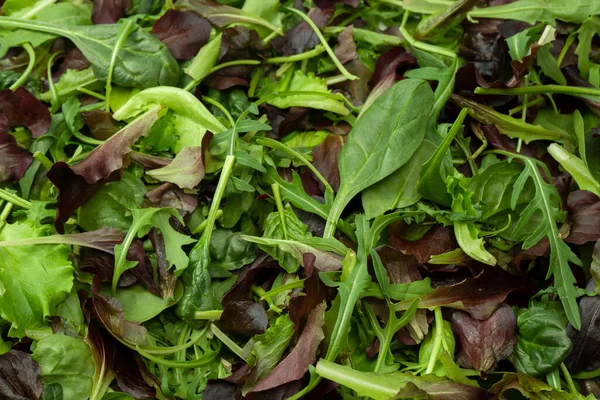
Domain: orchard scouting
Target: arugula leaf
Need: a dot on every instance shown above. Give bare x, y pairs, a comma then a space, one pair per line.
546, 203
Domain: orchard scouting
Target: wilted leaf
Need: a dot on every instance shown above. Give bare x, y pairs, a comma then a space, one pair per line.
346, 49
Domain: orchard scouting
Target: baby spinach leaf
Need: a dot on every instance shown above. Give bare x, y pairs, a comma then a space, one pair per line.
383, 139
542, 342
67, 361
398, 190
143, 61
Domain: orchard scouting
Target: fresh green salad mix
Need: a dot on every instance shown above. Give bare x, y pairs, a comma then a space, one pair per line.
286, 199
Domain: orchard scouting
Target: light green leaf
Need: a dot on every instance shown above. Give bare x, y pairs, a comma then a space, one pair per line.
35, 279
139, 305
398, 190
67, 361
534, 10
576, 167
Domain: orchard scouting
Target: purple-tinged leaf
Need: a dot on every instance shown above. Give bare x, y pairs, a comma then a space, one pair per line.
14, 161
182, 32
242, 288
584, 217
109, 11
325, 159
479, 296
245, 318
186, 170
168, 195
100, 123
586, 341
19, 376
346, 49
21, 108
110, 156
393, 63
437, 241
302, 37
295, 365
481, 344
220, 390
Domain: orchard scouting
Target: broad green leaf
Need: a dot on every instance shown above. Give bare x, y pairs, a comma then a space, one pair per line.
34, 279
143, 61
139, 305
67, 361
542, 342
71, 81
383, 139
398, 190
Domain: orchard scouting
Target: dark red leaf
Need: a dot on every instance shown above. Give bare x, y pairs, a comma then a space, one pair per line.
74, 59
103, 264
479, 296
394, 62
295, 365
21, 108
584, 217
586, 341
245, 318
346, 49
483, 343
74, 191
242, 289
437, 241
182, 32
78, 183
282, 392
14, 161
220, 390
19, 376
100, 123
300, 307
484, 46
302, 37
109, 11
401, 268
502, 142
325, 159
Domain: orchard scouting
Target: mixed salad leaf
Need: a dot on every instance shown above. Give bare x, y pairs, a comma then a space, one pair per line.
319, 199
